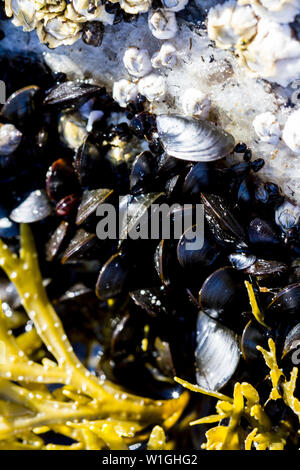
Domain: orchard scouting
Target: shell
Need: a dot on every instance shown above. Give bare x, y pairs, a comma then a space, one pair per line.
282, 11
196, 141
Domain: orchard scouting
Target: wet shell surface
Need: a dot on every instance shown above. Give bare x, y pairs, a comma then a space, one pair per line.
197, 141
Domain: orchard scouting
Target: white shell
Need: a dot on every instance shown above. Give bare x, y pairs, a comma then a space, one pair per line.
72, 130
137, 61
195, 103
282, 11
165, 57
229, 24
124, 91
134, 7
34, 208
174, 5
153, 87
217, 353
23, 12
162, 24
267, 128
196, 141
273, 54
291, 132
57, 31
287, 216
10, 138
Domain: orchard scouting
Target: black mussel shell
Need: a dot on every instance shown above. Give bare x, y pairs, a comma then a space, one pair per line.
154, 300
142, 173
204, 177
83, 246
91, 199
71, 93
166, 264
222, 223
192, 257
285, 306
217, 353
242, 261
134, 214
55, 242
254, 335
35, 207
263, 235
223, 296
292, 344
114, 277
265, 268
20, 107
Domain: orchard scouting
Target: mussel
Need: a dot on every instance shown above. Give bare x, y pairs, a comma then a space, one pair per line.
217, 353
198, 141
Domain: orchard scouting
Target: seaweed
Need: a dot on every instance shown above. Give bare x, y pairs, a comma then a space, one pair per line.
88, 410
261, 433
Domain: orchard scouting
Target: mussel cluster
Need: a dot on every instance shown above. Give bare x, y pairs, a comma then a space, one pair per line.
141, 311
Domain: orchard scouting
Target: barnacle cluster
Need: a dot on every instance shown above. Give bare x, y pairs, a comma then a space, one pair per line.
93, 413
260, 35
58, 22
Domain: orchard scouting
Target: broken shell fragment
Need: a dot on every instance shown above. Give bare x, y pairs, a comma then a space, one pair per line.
197, 141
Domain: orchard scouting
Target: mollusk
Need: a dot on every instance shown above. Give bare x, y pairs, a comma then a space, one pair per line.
193, 140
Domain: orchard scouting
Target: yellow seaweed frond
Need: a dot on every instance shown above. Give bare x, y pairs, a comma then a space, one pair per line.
246, 404
95, 414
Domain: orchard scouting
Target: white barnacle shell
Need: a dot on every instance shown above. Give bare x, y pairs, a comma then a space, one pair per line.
273, 54
195, 103
291, 132
174, 5
162, 24
165, 57
267, 128
153, 87
196, 141
137, 61
229, 24
282, 11
10, 138
134, 7
57, 30
23, 12
124, 91
81, 11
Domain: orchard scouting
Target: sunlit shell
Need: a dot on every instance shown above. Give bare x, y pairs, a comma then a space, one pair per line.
282, 11
72, 130
23, 12
34, 208
56, 30
230, 24
188, 139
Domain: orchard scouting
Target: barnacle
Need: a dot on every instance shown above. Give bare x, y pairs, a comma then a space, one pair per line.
261, 434
92, 412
